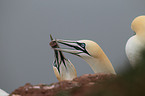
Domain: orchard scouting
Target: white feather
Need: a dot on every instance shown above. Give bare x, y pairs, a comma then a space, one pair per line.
3, 93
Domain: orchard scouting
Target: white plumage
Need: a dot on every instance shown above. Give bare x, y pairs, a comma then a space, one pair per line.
3, 93
136, 43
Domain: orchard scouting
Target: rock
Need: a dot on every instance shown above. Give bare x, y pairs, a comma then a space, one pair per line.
50, 90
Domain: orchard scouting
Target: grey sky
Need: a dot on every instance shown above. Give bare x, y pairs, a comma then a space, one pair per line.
25, 26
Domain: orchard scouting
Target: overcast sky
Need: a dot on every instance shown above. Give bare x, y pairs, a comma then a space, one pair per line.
25, 26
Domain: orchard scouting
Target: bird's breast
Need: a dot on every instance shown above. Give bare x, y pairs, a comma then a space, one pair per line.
133, 49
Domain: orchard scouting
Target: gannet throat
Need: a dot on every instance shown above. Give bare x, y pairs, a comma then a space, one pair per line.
91, 52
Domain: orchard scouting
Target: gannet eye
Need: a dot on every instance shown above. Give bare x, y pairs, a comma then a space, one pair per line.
82, 45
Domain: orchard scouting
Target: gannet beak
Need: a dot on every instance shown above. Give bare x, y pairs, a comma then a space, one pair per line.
75, 47
59, 57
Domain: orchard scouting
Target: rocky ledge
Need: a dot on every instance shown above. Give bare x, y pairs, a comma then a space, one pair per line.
76, 87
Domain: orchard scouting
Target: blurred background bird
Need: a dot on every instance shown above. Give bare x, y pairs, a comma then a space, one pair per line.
63, 68
91, 52
3, 93
136, 43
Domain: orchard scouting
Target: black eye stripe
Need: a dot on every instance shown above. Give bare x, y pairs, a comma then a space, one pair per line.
76, 47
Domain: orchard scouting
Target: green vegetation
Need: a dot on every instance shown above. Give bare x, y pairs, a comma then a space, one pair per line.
63, 93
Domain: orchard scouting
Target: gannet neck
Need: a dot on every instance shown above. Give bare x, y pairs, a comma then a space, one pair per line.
67, 72
101, 64
98, 60
141, 37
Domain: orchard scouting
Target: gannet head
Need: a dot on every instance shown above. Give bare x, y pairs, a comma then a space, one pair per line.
81, 48
138, 25
91, 52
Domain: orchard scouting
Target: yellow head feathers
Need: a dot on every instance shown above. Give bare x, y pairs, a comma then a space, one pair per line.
92, 47
138, 25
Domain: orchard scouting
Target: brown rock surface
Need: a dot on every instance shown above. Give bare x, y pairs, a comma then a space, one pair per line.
79, 84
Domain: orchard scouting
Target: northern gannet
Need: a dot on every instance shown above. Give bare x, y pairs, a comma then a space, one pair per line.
3, 93
91, 52
63, 68
136, 43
